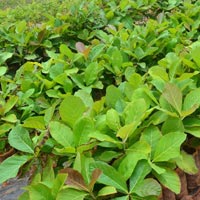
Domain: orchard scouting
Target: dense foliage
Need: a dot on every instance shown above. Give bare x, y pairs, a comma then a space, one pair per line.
99, 99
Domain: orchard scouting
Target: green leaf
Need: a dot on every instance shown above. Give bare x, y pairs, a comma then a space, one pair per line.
172, 124
187, 163
4, 56
125, 131
134, 111
4, 128
10, 103
66, 51
10, 118
148, 187
11, 165
157, 72
20, 27
61, 133
107, 190
141, 170
71, 194
168, 146
82, 129
192, 99
3, 70
113, 95
195, 52
96, 51
151, 135
170, 180
71, 109
116, 60
19, 139
113, 120
39, 191
173, 95
36, 122
110, 176
137, 152
91, 73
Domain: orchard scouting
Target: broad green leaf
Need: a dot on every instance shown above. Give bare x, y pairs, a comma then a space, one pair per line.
187, 163
19, 139
122, 198
157, 72
85, 97
116, 60
10, 118
61, 133
168, 146
151, 135
172, 124
110, 176
11, 165
66, 51
148, 187
156, 168
195, 53
113, 120
96, 51
4, 56
141, 170
192, 99
135, 111
58, 183
126, 131
20, 27
39, 191
137, 152
82, 129
173, 95
113, 95
71, 109
170, 180
91, 73
195, 131
10, 103
71, 194
36, 122
3, 70
107, 190
4, 128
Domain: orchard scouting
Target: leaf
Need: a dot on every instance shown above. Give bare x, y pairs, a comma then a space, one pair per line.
39, 191
110, 176
141, 170
10, 118
138, 152
134, 111
170, 179
151, 135
71, 194
4, 128
113, 95
82, 129
172, 124
61, 133
10, 167
126, 131
116, 60
192, 99
96, 51
71, 109
148, 187
4, 56
157, 72
10, 103
36, 122
95, 175
173, 96
107, 190
91, 73
66, 51
168, 146
3, 70
187, 163
195, 52
113, 120
19, 139
74, 179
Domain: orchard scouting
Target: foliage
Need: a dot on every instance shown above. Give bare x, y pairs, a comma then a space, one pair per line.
102, 98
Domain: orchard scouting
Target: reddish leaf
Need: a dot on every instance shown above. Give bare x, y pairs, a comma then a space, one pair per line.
95, 175
74, 178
